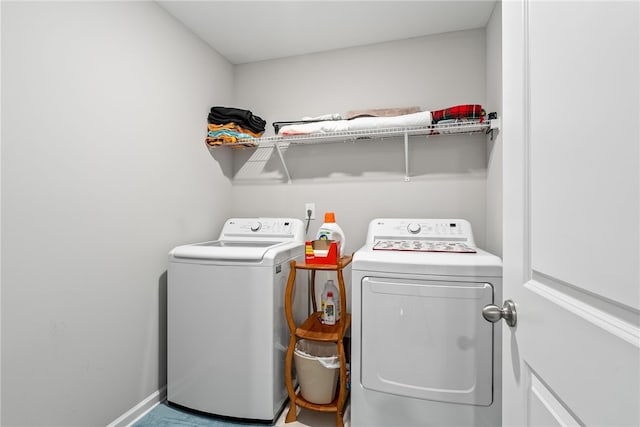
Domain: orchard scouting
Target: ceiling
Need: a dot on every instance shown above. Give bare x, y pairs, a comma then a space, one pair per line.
250, 31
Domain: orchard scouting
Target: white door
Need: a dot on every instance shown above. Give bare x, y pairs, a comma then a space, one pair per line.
571, 212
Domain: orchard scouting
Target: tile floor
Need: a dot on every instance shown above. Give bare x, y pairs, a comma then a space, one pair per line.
165, 416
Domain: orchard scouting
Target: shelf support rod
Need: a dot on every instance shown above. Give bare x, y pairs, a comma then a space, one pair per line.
406, 157
284, 165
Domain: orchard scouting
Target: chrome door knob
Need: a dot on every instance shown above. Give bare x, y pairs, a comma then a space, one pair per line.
492, 313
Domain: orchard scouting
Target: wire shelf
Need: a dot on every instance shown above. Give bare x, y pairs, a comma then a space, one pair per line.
463, 127
280, 142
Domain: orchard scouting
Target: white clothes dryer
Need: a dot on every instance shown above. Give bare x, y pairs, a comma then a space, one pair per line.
227, 334
422, 353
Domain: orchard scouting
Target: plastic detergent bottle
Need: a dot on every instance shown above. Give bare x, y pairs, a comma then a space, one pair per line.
332, 231
330, 288
329, 313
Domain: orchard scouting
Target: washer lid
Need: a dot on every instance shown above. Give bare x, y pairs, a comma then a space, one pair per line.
229, 250
480, 263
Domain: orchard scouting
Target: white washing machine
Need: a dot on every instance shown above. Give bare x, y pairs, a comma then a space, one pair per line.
227, 334
422, 353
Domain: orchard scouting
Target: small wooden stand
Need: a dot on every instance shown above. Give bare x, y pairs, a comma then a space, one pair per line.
313, 329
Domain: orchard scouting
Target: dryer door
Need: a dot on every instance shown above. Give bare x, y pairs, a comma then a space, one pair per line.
427, 339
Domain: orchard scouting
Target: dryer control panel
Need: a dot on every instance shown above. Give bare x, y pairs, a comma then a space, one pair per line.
423, 229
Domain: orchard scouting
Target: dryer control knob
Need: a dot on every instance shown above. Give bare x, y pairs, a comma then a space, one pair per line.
256, 226
413, 228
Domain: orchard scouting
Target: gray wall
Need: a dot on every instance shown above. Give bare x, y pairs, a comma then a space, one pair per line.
364, 180
104, 170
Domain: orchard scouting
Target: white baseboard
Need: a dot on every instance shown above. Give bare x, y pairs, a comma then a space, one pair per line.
138, 411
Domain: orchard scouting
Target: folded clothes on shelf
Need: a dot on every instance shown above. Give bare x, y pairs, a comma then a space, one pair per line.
422, 118
306, 120
233, 126
243, 118
382, 112
381, 118
229, 139
330, 116
355, 114
466, 111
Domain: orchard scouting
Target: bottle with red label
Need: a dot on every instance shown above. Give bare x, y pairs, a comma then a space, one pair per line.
330, 288
329, 313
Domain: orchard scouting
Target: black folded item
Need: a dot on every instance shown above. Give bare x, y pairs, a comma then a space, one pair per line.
244, 118
278, 125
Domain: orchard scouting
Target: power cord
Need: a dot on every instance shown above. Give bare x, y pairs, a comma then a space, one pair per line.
306, 231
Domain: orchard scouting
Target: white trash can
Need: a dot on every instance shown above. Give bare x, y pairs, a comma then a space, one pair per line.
318, 368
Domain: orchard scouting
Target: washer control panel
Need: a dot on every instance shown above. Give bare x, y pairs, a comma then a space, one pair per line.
447, 230
260, 228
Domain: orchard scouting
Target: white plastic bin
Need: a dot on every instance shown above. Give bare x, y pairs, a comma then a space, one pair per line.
318, 368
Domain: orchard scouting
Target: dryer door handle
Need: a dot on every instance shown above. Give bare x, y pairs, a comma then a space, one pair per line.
492, 313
